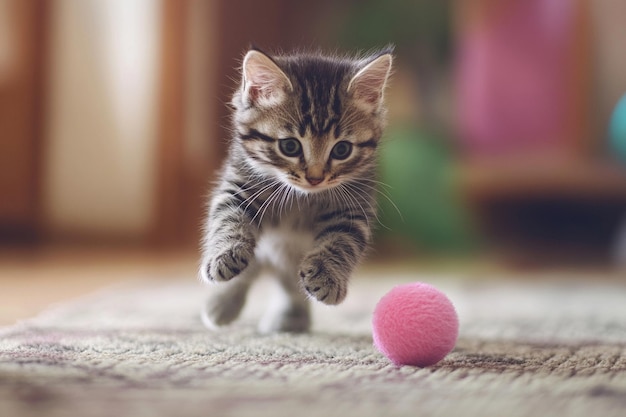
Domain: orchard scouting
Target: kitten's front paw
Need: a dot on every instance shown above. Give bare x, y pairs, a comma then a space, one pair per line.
323, 279
227, 264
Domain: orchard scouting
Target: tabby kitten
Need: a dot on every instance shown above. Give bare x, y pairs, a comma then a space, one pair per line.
297, 191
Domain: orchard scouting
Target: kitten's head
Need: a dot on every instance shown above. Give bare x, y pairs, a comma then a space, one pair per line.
312, 121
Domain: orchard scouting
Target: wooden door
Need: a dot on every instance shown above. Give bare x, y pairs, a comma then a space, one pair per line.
22, 56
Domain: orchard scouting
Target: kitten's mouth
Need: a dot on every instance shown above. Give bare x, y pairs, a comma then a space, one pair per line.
313, 188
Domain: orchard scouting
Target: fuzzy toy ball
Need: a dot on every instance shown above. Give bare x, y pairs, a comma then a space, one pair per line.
415, 324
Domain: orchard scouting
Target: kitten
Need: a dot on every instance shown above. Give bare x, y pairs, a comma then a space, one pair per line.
297, 191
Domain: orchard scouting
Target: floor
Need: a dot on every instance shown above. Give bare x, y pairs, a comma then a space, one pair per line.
529, 346
32, 280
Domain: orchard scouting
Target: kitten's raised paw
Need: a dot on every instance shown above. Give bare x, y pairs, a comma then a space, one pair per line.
323, 281
228, 264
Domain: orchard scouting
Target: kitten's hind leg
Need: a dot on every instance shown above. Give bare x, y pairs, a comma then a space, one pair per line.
289, 311
227, 299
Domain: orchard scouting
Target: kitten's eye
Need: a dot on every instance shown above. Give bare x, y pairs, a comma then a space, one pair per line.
342, 150
290, 147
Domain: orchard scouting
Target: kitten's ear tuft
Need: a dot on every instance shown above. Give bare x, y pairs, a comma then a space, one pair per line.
368, 85
264, 83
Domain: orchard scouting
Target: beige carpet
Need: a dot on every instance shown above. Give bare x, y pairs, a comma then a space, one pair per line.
526, 349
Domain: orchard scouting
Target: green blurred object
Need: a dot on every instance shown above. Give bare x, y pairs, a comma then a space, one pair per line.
413, 26
617, 129
417, 167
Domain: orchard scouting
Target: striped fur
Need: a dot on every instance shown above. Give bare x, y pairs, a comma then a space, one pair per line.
297, 191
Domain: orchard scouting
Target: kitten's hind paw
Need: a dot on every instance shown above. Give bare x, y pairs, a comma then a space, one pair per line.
225, 304
295, 319
323, 280
228, 264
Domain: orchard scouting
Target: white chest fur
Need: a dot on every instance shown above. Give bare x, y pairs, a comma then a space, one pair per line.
282, 247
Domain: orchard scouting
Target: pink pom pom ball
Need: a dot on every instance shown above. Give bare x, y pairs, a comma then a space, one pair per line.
415, 324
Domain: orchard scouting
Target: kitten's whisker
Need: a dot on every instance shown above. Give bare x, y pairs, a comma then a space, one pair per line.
293, 196
376, 182
333, 195
283, 200
249, 185
256, 195
356, 200
277, 199
267, 203
354, 187
344, 194
382, 194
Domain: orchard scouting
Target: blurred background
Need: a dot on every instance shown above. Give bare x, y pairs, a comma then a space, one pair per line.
506, 141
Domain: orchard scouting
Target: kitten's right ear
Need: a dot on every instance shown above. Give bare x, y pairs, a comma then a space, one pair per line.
368, 85
264, 83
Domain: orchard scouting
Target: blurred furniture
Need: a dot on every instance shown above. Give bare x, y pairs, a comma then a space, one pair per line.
67, 174
22, 79
533, 170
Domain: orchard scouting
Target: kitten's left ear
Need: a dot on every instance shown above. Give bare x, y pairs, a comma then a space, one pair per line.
368, 85
264, 83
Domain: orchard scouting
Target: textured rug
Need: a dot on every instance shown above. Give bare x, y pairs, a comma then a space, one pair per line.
526, 349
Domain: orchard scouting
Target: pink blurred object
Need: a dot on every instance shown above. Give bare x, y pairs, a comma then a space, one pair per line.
514, 76
415, 324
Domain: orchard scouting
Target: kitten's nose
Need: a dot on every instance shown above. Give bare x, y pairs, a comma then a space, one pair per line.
314, 180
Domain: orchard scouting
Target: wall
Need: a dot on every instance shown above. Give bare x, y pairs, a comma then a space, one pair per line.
100, 159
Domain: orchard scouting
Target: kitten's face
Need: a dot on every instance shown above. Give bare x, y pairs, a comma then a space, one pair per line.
312, 122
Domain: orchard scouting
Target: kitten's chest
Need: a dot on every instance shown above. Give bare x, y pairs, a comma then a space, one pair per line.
282, 244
